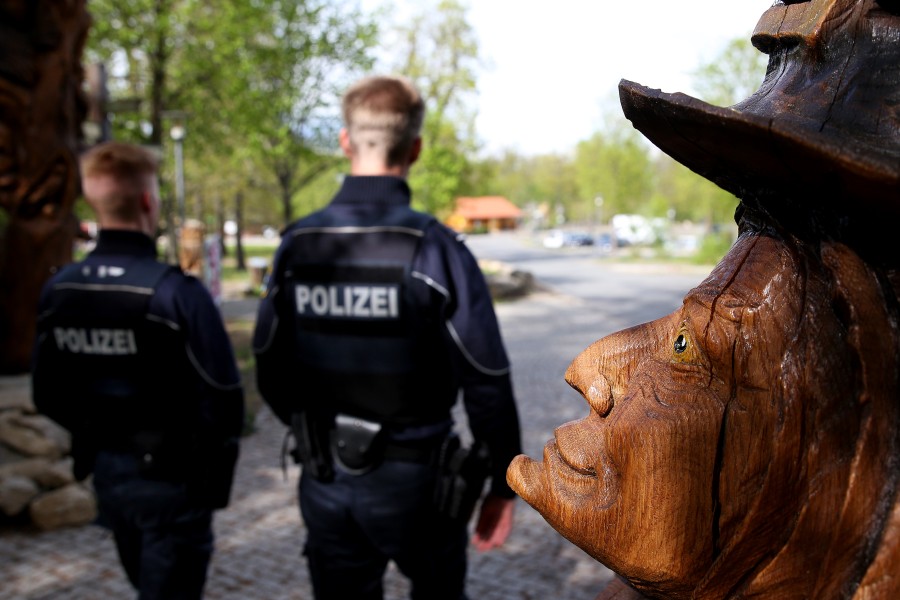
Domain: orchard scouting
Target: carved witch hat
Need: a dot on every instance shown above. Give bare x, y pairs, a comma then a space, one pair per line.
825, 124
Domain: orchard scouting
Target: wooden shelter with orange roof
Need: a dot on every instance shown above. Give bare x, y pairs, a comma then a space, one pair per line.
491, 213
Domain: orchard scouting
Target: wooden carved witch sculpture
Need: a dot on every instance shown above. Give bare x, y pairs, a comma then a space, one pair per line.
42, 107
748, 444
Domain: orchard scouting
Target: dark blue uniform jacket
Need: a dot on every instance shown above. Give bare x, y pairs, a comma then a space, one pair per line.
133, 356
457, 338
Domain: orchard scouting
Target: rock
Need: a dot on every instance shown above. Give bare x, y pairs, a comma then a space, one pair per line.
67, 506
16, 492
33, 435
8, 455
45, 472
15, 392
510, 284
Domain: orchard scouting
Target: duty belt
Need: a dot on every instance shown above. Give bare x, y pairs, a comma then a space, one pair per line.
418, 451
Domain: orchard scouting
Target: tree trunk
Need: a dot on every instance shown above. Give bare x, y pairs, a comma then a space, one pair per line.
239, 234
220, 223
287, 209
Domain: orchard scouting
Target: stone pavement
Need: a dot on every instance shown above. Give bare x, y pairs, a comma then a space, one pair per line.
259, 536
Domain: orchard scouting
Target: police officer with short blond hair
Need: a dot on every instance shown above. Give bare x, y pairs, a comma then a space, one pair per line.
133, 359
376, 317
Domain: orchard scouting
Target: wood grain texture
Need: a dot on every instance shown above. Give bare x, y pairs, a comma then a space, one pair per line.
747, 445
42, 108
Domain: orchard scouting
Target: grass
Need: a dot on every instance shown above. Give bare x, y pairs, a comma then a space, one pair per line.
241, 334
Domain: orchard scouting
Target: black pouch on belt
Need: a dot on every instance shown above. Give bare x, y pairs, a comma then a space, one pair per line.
358, 445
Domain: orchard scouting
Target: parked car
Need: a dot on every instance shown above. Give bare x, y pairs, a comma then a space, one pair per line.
579, 238
554, 239
558, 239
604, 242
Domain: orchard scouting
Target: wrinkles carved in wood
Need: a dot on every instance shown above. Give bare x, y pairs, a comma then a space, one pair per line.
747, 445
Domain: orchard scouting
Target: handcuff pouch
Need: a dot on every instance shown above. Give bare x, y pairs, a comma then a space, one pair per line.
357, 444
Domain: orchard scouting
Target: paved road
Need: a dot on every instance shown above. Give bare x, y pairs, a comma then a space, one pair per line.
259, 535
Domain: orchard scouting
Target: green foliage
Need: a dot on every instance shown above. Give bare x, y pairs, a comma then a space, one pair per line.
437, 49
733, 75
295, 72
713, 248
435, 180
615, 166
691, 196
320, 190
256, 83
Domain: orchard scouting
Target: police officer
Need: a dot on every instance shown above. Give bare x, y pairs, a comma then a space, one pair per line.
133, 359
376, 316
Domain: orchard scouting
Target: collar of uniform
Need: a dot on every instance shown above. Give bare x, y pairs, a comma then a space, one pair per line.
124, 241
372, 189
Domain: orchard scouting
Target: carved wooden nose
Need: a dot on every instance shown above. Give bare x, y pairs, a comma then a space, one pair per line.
601, 373
584, 375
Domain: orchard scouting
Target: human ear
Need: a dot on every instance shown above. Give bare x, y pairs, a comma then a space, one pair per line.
344, 140
415, 151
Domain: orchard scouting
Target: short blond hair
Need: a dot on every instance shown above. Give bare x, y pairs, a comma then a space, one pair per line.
383, 114
125, 171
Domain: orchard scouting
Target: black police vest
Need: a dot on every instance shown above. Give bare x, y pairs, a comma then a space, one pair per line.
128, 372
369, 342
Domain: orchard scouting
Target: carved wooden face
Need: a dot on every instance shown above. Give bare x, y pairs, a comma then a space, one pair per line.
687, 413
746, 445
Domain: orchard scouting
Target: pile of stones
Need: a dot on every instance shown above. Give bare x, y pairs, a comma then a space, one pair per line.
36, 481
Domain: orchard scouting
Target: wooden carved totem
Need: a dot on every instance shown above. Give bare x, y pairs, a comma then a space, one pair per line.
42, 107
748, 444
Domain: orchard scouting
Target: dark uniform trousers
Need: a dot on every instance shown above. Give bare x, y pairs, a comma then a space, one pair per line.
391, 517
164, 541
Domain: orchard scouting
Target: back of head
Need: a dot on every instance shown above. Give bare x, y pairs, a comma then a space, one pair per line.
383, 116
114, 177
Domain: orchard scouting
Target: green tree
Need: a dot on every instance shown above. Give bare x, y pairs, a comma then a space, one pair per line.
615, 166
293, 74
509, 175
552, 184
256, 81
691, 196
733, 75
438, 50
139, 41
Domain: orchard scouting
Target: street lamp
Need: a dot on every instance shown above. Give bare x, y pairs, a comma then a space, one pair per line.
598, 213
177, 134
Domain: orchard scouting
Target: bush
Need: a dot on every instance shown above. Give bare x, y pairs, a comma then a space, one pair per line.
713, 248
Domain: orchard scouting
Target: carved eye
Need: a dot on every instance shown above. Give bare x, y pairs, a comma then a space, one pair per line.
684, 350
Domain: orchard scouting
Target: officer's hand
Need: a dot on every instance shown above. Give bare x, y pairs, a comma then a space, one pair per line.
494, 522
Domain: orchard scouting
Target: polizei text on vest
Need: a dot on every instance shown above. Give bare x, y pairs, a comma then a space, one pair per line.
95, 341
348, 301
